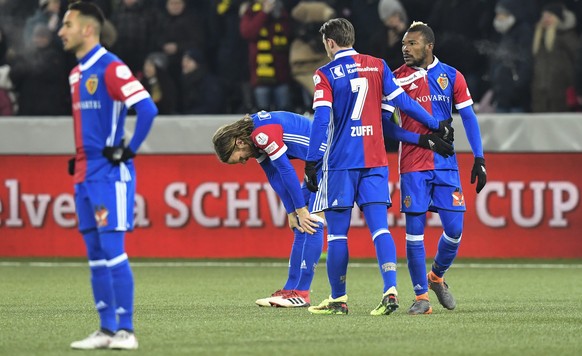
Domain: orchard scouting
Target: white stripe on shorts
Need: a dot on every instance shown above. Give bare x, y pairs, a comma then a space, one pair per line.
121, 205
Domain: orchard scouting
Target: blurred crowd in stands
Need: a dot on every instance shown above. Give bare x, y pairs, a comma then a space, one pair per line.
235, 56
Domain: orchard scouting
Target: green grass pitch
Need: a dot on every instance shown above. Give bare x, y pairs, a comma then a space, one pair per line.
201, 308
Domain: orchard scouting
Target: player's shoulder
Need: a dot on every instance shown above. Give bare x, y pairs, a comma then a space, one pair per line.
115, 68
403, 71
445, 67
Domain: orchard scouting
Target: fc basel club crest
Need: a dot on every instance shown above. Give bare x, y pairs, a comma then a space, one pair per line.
458, 198
407, 201
101, 216
91, 84
443, 81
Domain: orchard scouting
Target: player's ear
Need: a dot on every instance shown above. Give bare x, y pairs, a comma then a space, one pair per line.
239, 143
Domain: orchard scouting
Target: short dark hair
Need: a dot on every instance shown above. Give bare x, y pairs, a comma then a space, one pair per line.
89, 10
424, 30
340, 30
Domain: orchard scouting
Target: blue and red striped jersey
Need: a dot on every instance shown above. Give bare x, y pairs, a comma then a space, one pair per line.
282, 136
437, 89
353, 86
102, 88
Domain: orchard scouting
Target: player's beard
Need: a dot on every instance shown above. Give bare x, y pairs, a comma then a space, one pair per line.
418, 61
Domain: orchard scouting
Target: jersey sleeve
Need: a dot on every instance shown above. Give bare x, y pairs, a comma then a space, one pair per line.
323, 94
122, 85
269, 138
390, 87
461, 95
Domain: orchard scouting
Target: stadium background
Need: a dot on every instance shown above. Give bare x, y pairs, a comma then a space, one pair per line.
192, 206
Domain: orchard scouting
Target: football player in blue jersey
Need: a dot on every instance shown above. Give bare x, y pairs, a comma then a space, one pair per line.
347, 103
273, 139
102, 88
429, 182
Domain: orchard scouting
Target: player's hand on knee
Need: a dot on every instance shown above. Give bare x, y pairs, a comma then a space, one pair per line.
434, 143
479, 173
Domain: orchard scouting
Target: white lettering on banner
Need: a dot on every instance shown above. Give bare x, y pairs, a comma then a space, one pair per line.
64, 205
62, 208
198, 204
13, 218
526, 204
276, 208
234, 204
173, 189
561, 206
36, 215
140, 218
560, 203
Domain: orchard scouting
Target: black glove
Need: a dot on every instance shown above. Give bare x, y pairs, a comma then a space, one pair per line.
479, 172
446, 131
118, 154
311, 176
434, 143
71, 167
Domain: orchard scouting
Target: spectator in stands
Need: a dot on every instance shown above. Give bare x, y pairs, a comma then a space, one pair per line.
387, 43
231, 48
554, 49
418, 10
179, 30
307, 52
47, 14
6, 98
460, 25
201, 91
159, 84
578, 78
265, 26
136, 32
40, 78
363, 14
510, 59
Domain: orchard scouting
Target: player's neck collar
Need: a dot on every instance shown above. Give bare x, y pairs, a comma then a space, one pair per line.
90, 58
345, 53
434, 63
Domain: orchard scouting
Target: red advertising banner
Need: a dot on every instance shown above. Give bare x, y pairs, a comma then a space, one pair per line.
192, 206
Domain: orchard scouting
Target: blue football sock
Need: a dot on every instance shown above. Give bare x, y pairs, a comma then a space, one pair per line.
446, 253
375, 215
416, 258
338, 224
386, 255
337, 266
121, 275
311, 254
295, 260
103, 296
415, 252
101, 281
123, 289
449, 241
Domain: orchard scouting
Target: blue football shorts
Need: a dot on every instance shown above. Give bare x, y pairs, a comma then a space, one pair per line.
431, 190
339, 189
105, 205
